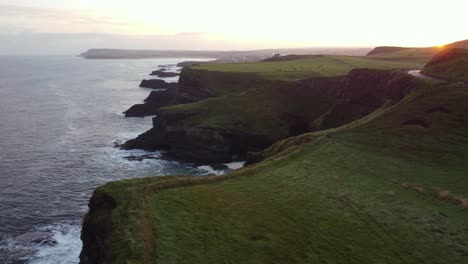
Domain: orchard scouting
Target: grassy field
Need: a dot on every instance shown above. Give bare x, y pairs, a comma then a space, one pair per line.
312, 66
386, 189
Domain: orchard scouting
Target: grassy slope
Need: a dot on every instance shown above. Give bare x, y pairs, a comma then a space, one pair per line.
449, 64
336, 199
310, 67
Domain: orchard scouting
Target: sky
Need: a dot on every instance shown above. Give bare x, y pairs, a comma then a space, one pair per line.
70, 27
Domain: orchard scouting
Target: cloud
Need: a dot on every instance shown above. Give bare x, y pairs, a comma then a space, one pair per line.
58, 20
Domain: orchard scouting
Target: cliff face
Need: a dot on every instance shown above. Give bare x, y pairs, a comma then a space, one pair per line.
154, 101
365, 90
203, 145
291, 108
97, 229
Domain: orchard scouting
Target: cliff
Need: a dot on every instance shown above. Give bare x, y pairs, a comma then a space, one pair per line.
390, 186
250, 113
154, 101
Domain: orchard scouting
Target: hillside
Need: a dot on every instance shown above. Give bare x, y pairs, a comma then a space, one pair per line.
405, 53
388, 188
449, 64
224, 56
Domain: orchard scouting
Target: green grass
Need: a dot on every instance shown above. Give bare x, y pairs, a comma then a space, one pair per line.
422, 55
266, 104
327, 197
310, 67
449, 64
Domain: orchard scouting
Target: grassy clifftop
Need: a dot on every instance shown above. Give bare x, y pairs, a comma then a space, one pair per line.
245, 112
389, 188
301, 67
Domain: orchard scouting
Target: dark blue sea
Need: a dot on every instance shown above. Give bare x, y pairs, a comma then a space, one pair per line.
59, 120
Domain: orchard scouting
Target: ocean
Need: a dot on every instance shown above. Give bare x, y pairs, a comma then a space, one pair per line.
60, 118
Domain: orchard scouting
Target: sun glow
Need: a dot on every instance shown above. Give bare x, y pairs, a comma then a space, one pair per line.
260, 23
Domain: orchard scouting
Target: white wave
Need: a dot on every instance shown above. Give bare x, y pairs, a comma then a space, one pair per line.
210, 171
235, 165
68, 247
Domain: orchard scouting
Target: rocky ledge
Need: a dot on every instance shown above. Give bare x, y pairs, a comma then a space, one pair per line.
201, 145
164, 74
157, 84
152, 103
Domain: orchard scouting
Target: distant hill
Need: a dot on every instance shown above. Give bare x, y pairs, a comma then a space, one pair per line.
222, 56
399, 53
449, 64
459, 44
385, 49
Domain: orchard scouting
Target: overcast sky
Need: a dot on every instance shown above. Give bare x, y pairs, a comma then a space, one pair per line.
70, 27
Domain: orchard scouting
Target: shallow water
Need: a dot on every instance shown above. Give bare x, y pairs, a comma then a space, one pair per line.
59, 120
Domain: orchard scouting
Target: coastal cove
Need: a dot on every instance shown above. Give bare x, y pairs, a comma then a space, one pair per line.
61, 117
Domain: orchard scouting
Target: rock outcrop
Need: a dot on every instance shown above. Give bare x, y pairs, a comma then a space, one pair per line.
97, 229
164, 74
152, 103
157, 84
201, 145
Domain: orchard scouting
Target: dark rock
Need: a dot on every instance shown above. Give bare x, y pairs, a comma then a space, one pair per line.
97, 229
153, 102
192, 87
196, 144
157, 84
141, 110
142, 157
164, 73
42, 238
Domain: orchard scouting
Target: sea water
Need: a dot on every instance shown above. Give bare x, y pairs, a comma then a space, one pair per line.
60, 118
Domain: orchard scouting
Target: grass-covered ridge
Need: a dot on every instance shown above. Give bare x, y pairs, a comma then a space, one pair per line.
449, 64
308, 66
423, 54
386, 189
